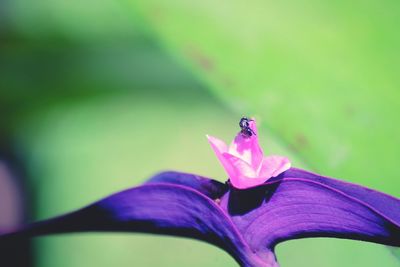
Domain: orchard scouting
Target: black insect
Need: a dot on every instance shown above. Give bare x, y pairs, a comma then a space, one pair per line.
244, 124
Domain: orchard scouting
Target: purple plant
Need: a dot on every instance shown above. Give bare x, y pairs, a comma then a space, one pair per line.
266, 202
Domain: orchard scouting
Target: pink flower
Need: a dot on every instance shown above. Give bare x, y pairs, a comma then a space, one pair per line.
244, 160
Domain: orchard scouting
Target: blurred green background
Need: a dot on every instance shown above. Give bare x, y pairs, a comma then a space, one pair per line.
96, 96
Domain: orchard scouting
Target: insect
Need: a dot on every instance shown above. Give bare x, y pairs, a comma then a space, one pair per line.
246, 131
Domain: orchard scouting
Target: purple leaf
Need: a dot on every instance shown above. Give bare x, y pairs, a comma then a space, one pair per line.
156, 207
300, 204
206, 186
245, 223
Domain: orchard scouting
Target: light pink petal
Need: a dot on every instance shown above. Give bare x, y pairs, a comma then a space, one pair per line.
248, 148
217, 144
272, 166
240, 165
245, 176
219, 148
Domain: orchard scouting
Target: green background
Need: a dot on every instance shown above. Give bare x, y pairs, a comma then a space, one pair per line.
98, 96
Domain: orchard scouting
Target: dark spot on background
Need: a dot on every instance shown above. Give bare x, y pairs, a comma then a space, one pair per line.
301, 141
158, 13
200, 58
227, 82
350, 110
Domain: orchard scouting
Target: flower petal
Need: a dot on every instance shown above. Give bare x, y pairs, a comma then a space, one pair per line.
272, 166
300, 204
218, 145
241, 167
244, 175
219, 148
247, 148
